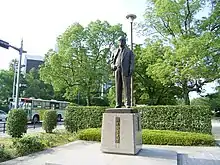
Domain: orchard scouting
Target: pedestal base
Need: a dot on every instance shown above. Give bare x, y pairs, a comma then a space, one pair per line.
121, 131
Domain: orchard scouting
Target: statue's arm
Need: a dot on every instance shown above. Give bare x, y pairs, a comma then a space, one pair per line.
112, 61
112, 58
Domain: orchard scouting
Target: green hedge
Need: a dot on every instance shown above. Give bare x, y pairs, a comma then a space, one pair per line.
158, 137
81, 117
177, 118
49, 120
16, 124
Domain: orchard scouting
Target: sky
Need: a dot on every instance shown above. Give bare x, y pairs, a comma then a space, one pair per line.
39, 22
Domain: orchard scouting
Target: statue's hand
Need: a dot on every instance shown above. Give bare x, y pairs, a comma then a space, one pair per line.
113, 67
130, 73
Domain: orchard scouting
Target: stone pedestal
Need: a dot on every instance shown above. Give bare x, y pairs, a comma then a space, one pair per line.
121, 131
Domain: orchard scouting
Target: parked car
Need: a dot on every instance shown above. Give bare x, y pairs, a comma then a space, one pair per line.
3, 115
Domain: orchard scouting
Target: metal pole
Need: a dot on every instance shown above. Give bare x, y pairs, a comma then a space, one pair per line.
14, 81
132, 76
18, 76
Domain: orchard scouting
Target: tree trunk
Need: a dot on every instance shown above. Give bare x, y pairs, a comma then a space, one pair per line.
186, 94
88, 98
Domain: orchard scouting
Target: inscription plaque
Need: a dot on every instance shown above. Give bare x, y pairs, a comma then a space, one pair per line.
117, 129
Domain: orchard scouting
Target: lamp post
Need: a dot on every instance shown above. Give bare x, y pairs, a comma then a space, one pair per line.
6, 45
15, 73
131, 17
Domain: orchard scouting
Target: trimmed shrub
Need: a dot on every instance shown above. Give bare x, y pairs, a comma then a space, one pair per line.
41, 113
158, 137
90, 134
165, 137
16, 123
177, 118
81, 117
27, 145
49, 120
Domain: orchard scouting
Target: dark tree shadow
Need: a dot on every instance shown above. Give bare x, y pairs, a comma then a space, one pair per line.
158, 153
184, 159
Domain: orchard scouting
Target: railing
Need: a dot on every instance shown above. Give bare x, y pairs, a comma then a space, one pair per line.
34, 125
3, 126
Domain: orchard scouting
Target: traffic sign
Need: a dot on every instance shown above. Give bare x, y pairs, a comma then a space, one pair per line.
4, 44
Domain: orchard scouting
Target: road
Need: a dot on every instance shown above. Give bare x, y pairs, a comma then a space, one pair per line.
216, 128
31, 128
38, 128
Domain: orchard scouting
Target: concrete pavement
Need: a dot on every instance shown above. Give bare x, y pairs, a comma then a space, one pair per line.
84, 153
87, 153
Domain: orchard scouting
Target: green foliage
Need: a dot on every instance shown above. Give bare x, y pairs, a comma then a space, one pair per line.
49, 120
158, 137
27, 145
4, 154
99, 101
202, 101
16, 123
146, 89
111, 96
41, 113
165, 137
90, 134
80, 117
30, 143
183, 49
80, 64
6, 83
58, 137
178, 118
37, 88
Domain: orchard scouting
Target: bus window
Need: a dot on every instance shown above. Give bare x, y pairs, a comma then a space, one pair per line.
43, 104
64, 105
54, 105
36, 104
47, 105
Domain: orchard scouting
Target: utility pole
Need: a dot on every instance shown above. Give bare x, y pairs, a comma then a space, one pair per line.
18, 75
14, 81
6, 45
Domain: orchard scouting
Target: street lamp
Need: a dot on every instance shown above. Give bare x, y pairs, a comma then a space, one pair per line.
15, 72
6, 45
131, 17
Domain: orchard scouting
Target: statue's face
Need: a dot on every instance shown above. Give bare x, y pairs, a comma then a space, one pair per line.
122, 43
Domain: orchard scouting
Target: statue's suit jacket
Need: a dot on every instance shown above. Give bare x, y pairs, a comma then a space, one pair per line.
127, 61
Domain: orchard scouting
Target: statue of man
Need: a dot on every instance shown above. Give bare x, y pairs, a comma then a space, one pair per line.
122, 64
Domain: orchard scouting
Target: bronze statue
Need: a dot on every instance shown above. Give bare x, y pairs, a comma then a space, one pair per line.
122, 64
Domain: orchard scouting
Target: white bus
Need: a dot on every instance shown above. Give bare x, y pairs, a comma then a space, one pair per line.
36, 107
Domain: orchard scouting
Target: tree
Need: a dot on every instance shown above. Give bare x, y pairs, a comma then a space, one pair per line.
186, 57
37, 88
13, 64
80, 65
6, 84
147, 90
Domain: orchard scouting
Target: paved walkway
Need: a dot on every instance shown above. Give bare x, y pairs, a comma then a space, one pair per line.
87, 153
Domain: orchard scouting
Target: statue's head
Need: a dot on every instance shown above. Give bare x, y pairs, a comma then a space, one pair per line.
122, 41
